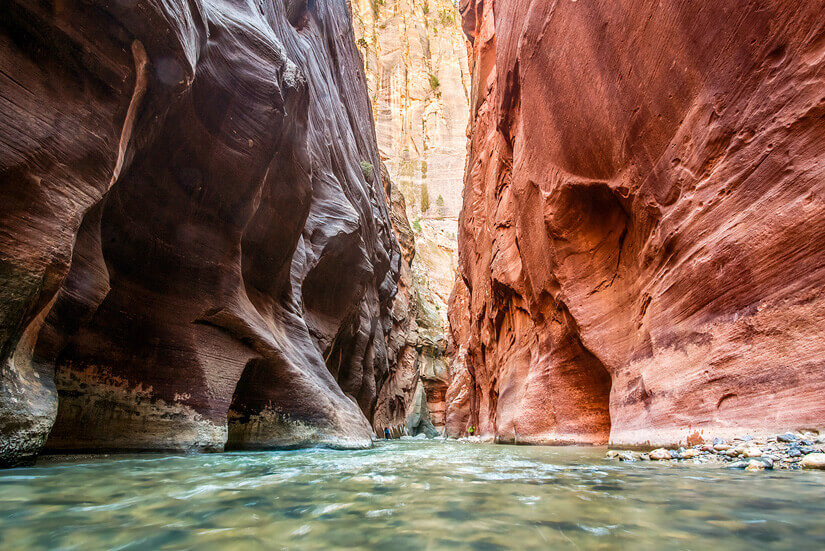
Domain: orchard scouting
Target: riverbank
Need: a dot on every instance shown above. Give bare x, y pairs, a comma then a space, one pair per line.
791, 451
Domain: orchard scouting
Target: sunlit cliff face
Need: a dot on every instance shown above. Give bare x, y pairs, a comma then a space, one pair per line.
640, 241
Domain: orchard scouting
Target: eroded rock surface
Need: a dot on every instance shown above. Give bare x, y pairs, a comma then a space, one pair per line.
415, 56
412, 400
194, 247
415, 59
641, 243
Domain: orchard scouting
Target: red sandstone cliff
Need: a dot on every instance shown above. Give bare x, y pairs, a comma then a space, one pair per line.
642, 244
193, 247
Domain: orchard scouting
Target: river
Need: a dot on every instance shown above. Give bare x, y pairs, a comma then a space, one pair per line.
405, 495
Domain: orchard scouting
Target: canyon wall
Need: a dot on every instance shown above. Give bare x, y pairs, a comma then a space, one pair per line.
642, 241
195, 247
415, 56
415, 59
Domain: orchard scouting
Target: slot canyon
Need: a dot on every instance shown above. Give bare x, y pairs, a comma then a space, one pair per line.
359, 242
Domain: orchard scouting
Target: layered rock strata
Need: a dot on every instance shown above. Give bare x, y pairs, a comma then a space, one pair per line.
641, 243
415, 56
195, 250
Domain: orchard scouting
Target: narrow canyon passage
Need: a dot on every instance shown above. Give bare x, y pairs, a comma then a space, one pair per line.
285, 224
282, 273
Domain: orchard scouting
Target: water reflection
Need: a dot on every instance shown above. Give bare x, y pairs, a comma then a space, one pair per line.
405, 495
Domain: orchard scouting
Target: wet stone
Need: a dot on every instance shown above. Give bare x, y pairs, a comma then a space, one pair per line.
754, 465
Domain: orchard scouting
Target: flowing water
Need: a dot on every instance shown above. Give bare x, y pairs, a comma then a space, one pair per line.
405, 495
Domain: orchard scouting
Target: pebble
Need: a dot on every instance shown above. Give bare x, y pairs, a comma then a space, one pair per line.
754, 465
813, 461
767, 461
784, 451
752, 452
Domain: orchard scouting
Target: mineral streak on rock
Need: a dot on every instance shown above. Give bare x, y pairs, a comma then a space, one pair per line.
188, 232
641, 243
415, 56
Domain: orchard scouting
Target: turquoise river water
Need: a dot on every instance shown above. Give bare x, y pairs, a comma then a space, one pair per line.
405, 495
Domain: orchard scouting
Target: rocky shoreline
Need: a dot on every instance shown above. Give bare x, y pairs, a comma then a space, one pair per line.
792, 451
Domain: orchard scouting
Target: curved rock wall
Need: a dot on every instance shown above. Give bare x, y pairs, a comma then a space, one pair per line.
195, 249
641, 243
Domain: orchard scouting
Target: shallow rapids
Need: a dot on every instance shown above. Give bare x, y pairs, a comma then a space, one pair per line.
405, 495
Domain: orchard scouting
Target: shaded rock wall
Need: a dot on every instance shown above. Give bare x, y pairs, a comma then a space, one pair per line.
411, 400
641, 243
194, 249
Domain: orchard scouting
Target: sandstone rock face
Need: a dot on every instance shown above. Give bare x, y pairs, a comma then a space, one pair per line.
411, 400
415, 56
415, 59
195, 249
641, 242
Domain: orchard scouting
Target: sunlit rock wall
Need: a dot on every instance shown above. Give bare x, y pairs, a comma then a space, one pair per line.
415, 57
641, 242
195, 249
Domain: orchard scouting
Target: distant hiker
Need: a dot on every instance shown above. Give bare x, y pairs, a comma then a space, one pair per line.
471, 430
386, 433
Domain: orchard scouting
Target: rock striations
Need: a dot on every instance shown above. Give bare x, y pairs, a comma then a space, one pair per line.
642, 244
195, 248
415, 59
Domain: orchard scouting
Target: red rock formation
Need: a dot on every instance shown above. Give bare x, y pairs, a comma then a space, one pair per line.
184, 201
644, 211
411, 398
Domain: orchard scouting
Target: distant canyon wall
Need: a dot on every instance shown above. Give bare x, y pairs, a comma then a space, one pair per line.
195, 246
415, 55
642, 242
415, 59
